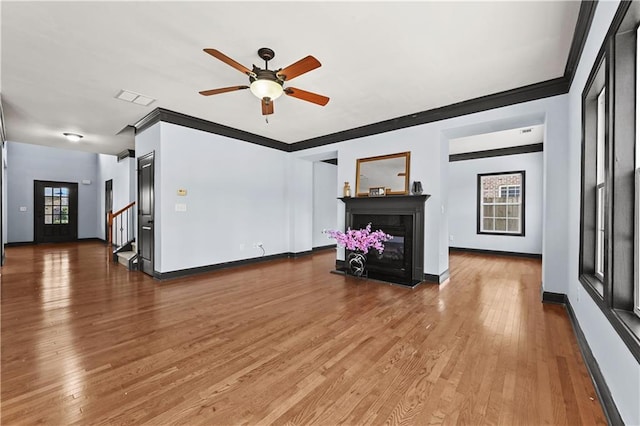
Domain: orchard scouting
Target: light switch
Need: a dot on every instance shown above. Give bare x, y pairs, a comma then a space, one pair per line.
181, 207
23, 209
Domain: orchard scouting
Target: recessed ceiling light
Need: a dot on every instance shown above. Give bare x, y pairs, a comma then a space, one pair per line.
72, 137
133, 97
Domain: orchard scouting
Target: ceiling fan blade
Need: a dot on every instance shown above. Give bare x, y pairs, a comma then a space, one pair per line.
302, 66
227, 60
222, 90
307, 96
267, 107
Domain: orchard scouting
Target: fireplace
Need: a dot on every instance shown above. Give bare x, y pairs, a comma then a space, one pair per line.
402, 261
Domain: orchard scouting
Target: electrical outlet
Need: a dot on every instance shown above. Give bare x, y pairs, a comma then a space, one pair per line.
451, 238
241, 246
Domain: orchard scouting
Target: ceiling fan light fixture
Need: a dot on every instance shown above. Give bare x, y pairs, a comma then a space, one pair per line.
266, 89
72, 137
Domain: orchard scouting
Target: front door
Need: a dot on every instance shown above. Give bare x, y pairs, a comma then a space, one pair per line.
145, 213
108, 206
56, 211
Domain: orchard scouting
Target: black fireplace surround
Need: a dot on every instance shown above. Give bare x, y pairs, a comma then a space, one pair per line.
402, 216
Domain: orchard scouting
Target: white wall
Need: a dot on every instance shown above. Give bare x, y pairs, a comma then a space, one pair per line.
27, 163
325, 181
463, 203
619, 367
123, 188
236, 197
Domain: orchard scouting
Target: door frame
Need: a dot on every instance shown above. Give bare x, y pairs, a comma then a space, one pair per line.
150, 156
74, 204
108, 199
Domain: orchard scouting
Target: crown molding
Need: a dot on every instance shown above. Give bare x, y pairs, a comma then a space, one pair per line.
167, 116
585, 18
545, 89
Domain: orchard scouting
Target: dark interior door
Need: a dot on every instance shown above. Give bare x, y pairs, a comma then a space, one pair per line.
108, 206
145, 213
56, 211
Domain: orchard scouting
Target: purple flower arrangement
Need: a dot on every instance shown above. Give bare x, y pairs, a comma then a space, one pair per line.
360, 239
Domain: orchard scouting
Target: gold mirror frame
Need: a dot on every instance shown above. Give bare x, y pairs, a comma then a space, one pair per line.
387, 180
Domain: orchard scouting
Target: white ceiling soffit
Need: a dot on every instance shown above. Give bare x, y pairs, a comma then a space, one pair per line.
504, 139
63, 63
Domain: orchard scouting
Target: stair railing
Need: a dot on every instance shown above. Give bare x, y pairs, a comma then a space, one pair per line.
122, 226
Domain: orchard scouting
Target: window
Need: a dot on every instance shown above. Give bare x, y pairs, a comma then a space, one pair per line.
600, 200
609, 259
501, 203
509, 190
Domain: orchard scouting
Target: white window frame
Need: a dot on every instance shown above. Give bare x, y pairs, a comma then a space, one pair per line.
507, 188
482, 204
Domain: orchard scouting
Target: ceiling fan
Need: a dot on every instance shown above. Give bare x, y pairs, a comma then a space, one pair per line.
268, 85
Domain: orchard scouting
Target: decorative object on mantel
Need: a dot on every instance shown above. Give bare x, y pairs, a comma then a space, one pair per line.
346, 191
379, 191
416, 188
359, 242
388, 171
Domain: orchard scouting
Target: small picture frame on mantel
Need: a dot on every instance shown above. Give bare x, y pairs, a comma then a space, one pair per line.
379, 191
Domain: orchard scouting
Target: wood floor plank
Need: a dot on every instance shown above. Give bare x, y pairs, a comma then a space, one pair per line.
84, 341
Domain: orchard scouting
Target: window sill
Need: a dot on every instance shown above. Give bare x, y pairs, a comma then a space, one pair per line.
506, 234
625, 323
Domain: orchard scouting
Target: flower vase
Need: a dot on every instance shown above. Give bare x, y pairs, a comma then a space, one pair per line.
357, 262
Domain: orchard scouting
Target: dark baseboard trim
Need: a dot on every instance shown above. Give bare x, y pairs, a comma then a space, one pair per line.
514, 150
181, 273
167, 116
599, 383
20, 244
91, 239
292, 255
438, 279
323, 248
557, 298
496, 252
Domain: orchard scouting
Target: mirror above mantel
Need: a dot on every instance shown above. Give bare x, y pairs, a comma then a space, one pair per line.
390, 172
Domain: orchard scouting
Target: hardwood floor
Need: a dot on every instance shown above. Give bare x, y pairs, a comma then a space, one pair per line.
85, 341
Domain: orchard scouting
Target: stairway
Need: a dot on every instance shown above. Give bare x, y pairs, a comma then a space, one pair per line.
129, 258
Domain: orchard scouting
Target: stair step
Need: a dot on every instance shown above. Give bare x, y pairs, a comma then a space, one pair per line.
125, 256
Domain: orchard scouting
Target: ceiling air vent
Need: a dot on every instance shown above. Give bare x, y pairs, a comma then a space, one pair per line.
135, 98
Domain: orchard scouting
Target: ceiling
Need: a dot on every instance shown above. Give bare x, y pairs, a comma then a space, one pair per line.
521, 136
63, 63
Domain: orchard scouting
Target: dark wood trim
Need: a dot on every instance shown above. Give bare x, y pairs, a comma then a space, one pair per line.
322, 248
585, 18
181, 273
438, 279
496, 252
545, 89
161, 114
20, 244
513, 150
557, 298
126, 154
523, 193
599, 382
292, 255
